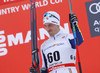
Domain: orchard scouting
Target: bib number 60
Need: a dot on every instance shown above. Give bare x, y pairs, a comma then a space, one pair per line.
53, 56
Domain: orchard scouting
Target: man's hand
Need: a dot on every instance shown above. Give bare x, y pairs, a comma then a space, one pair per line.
73, 19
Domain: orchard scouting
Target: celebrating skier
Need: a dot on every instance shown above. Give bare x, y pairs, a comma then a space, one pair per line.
59, 51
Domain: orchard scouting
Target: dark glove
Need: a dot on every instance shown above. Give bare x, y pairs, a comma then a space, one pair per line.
44, 70
73, 19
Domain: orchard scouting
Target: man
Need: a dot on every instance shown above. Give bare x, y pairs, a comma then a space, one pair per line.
58, 52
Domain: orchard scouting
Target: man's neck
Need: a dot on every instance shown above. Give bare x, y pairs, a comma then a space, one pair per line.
55, 33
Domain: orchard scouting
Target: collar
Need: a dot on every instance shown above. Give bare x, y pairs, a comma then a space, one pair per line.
57, 34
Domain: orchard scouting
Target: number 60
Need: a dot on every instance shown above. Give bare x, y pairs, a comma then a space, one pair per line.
55, 56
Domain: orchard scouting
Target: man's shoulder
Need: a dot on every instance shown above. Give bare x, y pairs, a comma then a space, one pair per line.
44, 43
64, 34
69, 36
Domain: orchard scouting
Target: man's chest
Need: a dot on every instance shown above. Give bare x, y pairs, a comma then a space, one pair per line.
58, 52
59, 47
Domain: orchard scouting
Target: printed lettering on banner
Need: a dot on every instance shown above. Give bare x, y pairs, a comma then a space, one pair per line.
2, 2
14, 9
18, 38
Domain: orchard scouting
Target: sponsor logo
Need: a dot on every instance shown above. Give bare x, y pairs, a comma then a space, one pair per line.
59, 44
96, 6
93, 13
54, 22
54, 68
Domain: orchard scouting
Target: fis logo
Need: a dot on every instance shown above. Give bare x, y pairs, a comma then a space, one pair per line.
63, 37
93, 14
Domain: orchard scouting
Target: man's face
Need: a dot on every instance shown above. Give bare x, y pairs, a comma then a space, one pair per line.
52, 29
